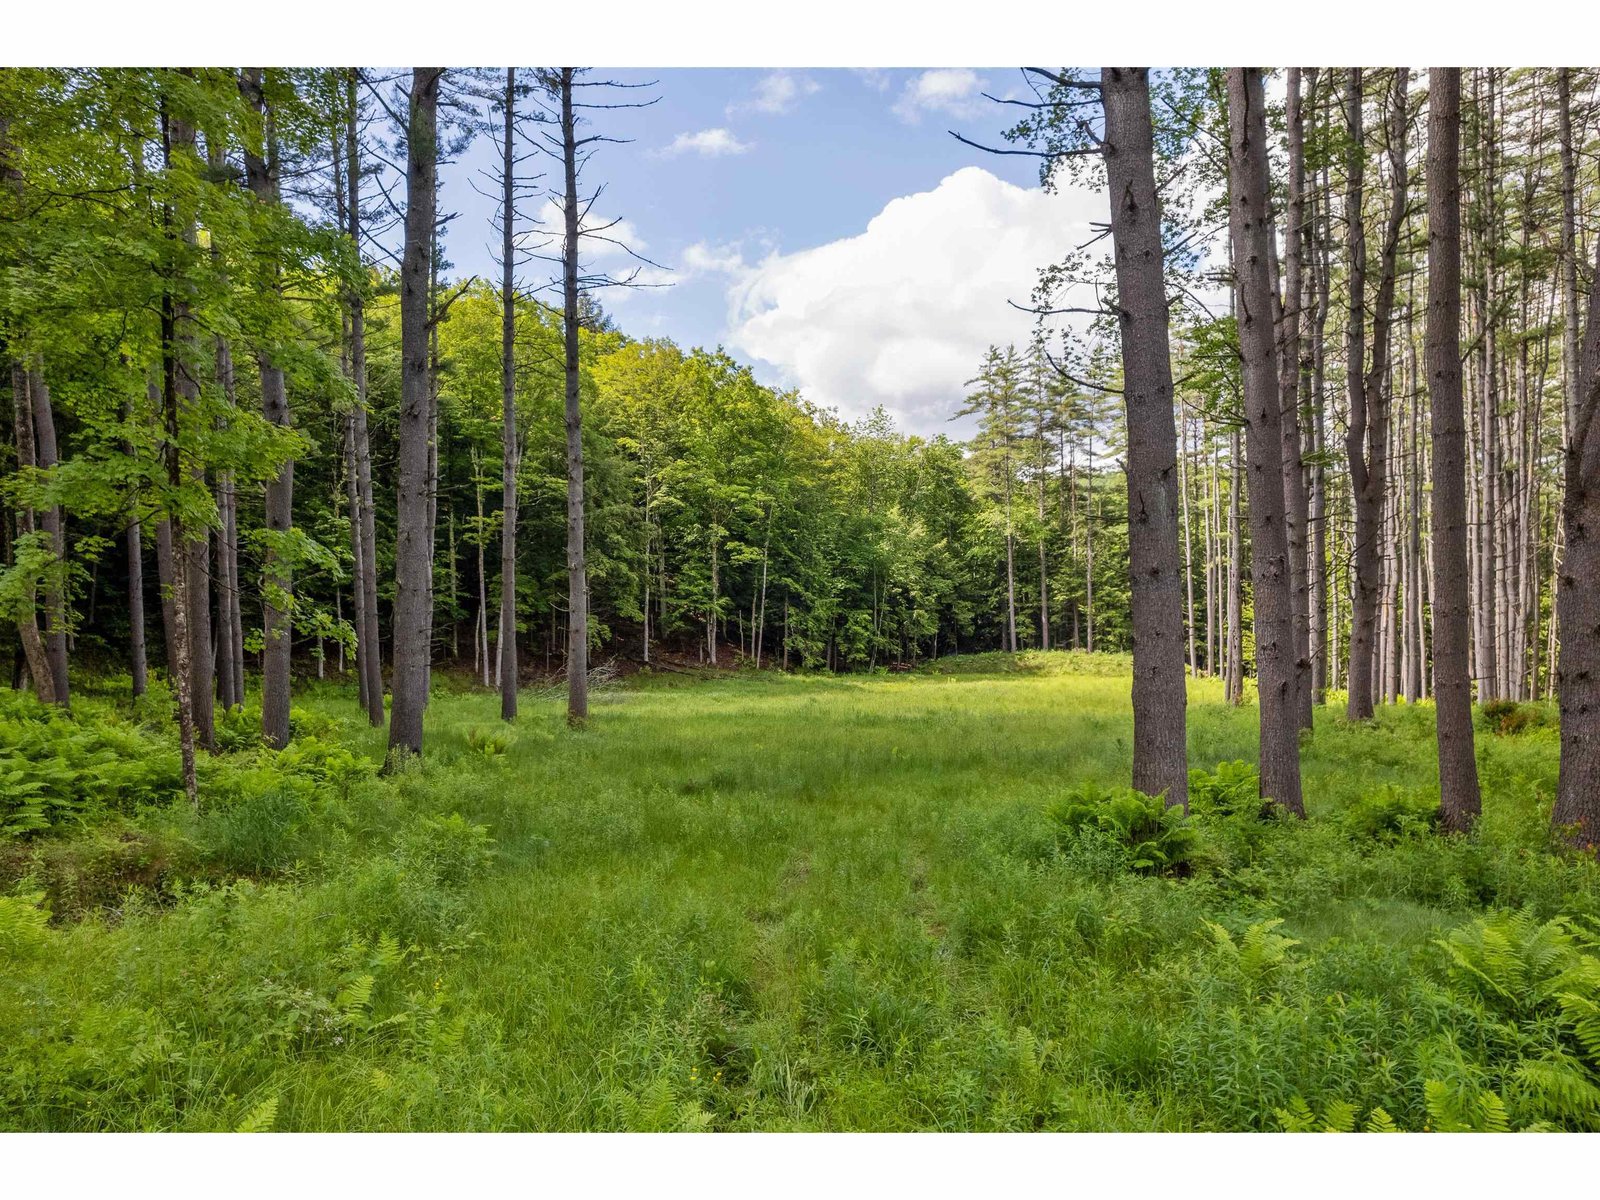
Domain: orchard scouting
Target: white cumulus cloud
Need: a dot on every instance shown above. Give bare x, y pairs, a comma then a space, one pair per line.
777, 92
702, 258
708, 143
955, 91
900, 314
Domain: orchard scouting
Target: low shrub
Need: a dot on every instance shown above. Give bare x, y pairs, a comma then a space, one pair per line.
1233, 789
238, 728
415, 891
1509, 717
59, 768
96, 869
1158, 840
1391, 813
491, 743
258, 831
23, 925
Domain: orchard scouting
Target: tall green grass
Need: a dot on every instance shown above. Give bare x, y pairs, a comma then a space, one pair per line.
769, 902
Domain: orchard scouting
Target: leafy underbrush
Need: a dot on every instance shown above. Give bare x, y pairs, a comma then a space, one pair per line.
1508, 717
302, 918
1093, 822
798, 904
63, 769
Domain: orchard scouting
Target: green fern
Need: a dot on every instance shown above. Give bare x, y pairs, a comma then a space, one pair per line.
1158, 840
1559, 1087
24, 925
1456, 1110
491, 743
1379, 1121
1538, 983
1233, 789
1258, 955
1340, 1117
261, 1118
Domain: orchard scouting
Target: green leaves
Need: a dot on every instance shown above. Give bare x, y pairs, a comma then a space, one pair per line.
1233, 789
1158, 840
24, 923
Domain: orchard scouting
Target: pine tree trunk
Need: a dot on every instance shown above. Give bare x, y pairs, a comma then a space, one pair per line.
413, 617
1459, 799
1317, 517
192, 554
55, 599
1160, 754
1269, 552
508, 417
138, 661
1366, 443
1296, 512
1234, 657
1212, 557
180, 633
1188, 542
33, 645
481, 651
1088, 546
224, 550
277, 584
1577, 806
577, 573
369, 664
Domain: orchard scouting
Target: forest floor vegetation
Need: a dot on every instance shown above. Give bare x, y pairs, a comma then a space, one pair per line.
888, 902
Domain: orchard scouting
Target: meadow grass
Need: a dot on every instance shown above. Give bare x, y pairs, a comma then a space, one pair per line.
785, 903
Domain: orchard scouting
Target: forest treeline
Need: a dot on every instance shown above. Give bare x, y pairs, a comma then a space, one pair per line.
260, 423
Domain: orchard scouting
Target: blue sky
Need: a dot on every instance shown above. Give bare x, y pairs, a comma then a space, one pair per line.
821, 224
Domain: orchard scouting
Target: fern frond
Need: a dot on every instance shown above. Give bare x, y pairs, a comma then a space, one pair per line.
355, 996
1379, 1121
1340, 1117
1493, 1117
1298, 1117
1559, 1087
261, 1118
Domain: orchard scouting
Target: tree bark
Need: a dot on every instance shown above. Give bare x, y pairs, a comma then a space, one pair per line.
1460, 802
413, 618
1577, 806
1294, 483
508, 419
362, 515
33, 646
180, 645
1317, 517
577, 574
1234, 649
225, 571
55, 598
1160, 753
1367, 441
138, 661
191, 559
277, 591
1269, 552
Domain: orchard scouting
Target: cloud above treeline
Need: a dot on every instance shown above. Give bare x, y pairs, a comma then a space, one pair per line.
707, 143
776, 93
952, 91
900, 314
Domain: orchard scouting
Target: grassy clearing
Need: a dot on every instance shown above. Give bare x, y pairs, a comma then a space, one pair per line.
785, 903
